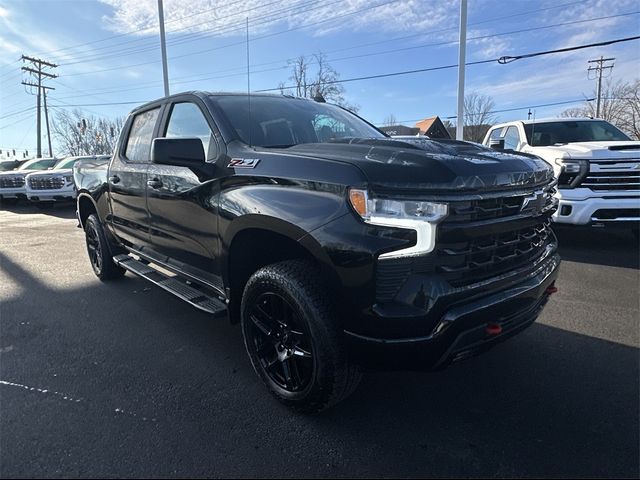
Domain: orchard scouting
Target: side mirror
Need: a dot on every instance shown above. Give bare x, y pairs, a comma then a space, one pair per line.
181, 152
497, 143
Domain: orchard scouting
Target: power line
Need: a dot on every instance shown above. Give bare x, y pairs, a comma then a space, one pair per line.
266, 19
509, 59
444, 67
138, 30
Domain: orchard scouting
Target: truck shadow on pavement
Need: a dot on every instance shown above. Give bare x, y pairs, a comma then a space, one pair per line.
63, 210
166, 391
613, 247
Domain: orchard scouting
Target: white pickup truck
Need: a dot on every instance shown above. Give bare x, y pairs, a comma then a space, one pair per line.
597, 166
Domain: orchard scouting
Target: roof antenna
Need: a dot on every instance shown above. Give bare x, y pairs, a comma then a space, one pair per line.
249, 86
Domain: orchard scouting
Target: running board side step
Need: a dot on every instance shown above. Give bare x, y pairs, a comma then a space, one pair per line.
175, 285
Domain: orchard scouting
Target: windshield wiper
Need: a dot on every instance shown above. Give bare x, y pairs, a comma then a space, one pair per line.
280, 146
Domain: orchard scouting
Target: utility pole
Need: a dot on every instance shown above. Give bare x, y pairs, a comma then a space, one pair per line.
599, 69
462, 50
35, 68
46, 118
163, 48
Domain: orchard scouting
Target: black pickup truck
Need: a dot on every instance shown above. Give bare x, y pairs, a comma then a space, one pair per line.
334, 246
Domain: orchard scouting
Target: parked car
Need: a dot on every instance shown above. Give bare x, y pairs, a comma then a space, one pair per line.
8, 165
598, 167
333, 245
55, 185
12, 183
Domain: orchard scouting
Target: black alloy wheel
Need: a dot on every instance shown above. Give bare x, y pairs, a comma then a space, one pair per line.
294, 337
281, 345
99, 250
94, 248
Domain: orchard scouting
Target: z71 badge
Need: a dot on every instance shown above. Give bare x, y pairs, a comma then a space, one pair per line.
243, 163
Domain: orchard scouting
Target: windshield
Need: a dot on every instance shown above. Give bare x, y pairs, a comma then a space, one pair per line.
284, 122
570, 131
38, 164
66, 163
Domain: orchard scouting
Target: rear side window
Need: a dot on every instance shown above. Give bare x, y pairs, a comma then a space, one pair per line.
495, 133
187, 120
140, 136
511, 139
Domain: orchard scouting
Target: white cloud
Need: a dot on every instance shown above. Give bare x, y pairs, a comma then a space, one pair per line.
225, 18
3, 12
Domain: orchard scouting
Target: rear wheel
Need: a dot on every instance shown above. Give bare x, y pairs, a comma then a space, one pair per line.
293, 338
99, 251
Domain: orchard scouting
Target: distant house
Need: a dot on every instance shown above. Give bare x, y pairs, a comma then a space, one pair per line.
400, 130
433, 127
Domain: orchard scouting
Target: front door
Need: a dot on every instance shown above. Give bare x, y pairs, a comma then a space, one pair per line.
127, 177
181, 201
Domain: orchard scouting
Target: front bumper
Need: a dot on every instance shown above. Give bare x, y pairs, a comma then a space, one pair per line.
465, 329
57, 195
581, 207
19, 192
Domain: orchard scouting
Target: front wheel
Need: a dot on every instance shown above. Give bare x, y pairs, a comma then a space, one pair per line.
99, 251
293, 338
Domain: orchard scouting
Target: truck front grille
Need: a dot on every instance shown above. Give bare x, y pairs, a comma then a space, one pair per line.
467, 262
11, 182
625, 180
480, 239
46, 183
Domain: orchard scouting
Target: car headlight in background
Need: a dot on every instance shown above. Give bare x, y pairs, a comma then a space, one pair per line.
572, 171
411, 214
68, 178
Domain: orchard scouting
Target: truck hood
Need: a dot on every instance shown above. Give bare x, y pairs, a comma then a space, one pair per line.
51, 173
439, 166
590, 150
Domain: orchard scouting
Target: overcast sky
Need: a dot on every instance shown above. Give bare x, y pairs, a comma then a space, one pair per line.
108, 52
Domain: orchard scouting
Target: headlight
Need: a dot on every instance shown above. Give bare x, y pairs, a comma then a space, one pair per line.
571, 171
68, 178
416, 215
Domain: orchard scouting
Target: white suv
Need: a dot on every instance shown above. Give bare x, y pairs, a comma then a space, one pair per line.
12, 182
54, 185
597, 166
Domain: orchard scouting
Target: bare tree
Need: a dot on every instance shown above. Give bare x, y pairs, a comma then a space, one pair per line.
620, 105
79, 134
390, 120
314, 77
479, 116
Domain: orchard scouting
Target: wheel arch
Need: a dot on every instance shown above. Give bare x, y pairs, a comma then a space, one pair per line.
86, 206
252, 245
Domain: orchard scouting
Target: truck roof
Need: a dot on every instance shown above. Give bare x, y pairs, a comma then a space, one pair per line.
203, 93
550, 119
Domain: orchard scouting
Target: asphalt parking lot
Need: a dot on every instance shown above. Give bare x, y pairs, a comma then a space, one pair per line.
123, 379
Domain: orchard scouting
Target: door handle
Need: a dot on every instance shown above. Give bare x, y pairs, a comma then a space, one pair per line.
114, 179
155, 183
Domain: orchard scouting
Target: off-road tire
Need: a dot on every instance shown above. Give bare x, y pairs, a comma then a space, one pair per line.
333, 377
100, 252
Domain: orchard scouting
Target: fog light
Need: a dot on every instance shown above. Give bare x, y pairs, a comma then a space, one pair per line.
566, 210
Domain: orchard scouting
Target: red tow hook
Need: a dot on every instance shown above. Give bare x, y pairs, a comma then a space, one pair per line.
551, 289
493, 329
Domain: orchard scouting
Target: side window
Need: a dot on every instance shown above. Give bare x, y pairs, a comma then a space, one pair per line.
140, 136
496, 133
511, 139
186, 120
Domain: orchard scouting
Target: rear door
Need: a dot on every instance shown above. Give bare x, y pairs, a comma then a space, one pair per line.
182, 202
128, 179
